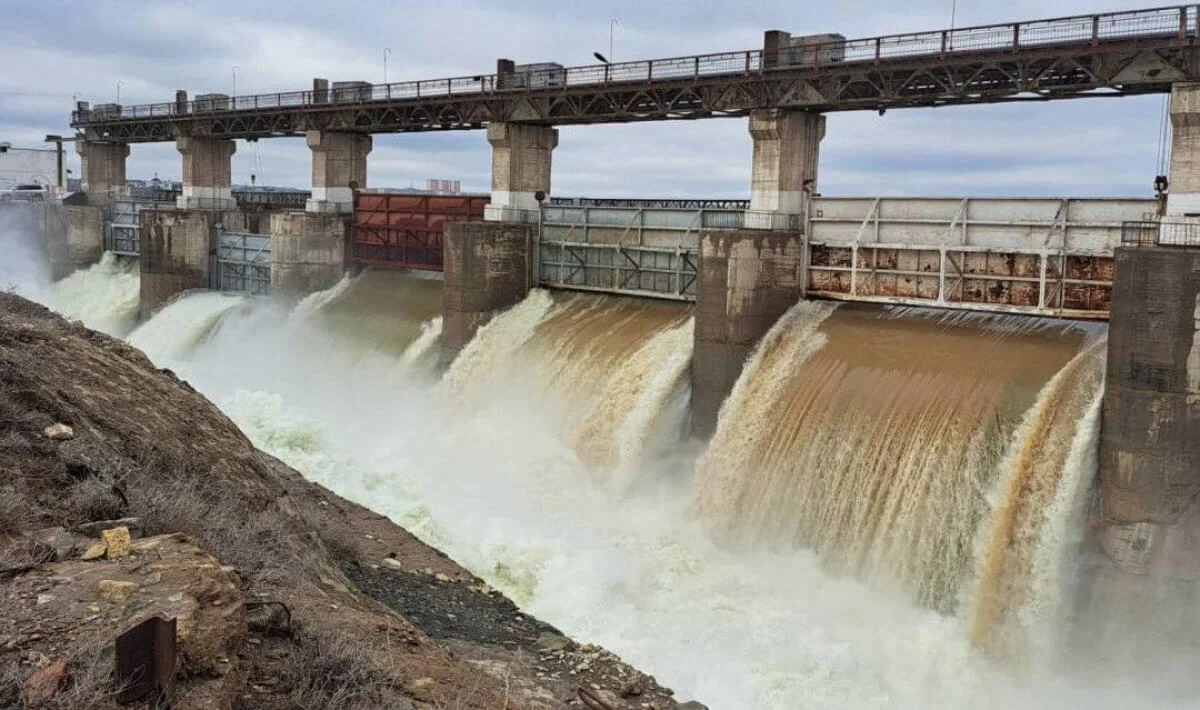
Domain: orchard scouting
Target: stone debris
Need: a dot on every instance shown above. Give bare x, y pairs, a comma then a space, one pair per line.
118, 541
58, 432
43, 684
97, 527
393, 563
94, 552
56, 540
115, 590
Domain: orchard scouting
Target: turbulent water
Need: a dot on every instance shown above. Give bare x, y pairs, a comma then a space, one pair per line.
984, 429
104, 295
906, 450
603, 368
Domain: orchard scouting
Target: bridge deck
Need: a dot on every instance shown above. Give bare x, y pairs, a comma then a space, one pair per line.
1140, 51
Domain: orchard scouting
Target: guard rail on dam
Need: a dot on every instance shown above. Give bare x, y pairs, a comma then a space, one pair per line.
1130, 52
1039, 256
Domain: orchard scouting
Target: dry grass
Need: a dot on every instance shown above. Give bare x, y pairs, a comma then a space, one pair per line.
89, 684
328, 672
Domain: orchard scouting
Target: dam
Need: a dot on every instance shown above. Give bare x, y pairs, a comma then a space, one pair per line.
800, 450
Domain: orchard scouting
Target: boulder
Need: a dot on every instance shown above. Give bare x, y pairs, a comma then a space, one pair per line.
43, 684
117, 541
115, 590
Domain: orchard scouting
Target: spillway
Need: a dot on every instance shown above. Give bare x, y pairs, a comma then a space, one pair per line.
520, 461
104, 295
607, 368
907, 449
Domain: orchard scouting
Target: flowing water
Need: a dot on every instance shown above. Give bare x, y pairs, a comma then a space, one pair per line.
985, 428
104, 296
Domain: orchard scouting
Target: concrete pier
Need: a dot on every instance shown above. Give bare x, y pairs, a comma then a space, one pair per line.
102, 170
308, 251
748, 279
175, 250
1184, 196
520, 170
486, 266
84, 227
1145, 595
207, 173
339, 164
784, 172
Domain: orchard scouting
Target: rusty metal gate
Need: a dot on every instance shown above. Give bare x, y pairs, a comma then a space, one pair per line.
404, 230
242, 263
122, 231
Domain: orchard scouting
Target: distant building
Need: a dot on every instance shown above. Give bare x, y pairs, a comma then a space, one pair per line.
24, 166
443, 187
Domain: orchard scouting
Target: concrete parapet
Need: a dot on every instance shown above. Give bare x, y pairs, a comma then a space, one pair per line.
207, 173
1183, 197
784, 170
486, 267
339, 165
1147, 580
748, 279
521, 161
102, 170
308, 251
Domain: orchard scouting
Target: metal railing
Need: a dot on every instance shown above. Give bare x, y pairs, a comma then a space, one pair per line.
682, 203
1164, 22
1161, 234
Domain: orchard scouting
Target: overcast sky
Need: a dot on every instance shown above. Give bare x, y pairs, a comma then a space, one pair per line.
53, 49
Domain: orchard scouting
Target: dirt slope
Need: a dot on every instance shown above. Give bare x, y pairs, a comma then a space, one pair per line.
319, 603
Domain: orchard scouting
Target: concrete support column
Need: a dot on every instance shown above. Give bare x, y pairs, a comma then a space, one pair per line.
207, 174
339, 165
784, 173
520, 170
1145, 595
486, 268
1183, 197
748, 279
102, 166
308, 251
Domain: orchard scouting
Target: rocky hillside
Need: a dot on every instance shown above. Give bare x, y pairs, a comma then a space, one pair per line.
284, 595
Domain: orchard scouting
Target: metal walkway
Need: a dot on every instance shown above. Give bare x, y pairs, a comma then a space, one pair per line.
1117, 53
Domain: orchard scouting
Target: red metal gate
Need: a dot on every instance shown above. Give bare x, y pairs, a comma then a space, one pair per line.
404, 230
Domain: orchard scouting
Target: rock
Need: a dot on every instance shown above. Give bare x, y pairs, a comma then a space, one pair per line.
115, 590
549, 641
44, 599
117, 540
635, 685
421, 689
95, 528
42, 684
393, 563
58, 432
57, 540
442, 577
95, 552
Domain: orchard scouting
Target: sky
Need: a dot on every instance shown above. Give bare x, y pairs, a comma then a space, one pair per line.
54, 50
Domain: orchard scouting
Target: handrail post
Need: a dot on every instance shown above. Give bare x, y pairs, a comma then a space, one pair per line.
760, 64
943, 41
1183, 23
1095, 30
1016, 36
878, 48
697, 69
448, 88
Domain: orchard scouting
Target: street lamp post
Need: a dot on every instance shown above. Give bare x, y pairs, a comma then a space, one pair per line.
235, 71
611, 24
119, 84
387, 52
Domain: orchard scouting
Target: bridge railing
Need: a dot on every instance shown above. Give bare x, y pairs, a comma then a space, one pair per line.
1165, 22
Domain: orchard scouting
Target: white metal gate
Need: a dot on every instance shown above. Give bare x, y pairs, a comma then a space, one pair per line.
633, 247
122, 231
242, 263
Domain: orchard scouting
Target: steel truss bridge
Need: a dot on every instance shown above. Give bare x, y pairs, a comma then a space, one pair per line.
1111, 54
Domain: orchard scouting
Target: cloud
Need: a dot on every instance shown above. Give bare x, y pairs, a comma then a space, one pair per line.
1087, 147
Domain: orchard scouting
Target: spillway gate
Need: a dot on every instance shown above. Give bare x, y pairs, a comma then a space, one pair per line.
241, 263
